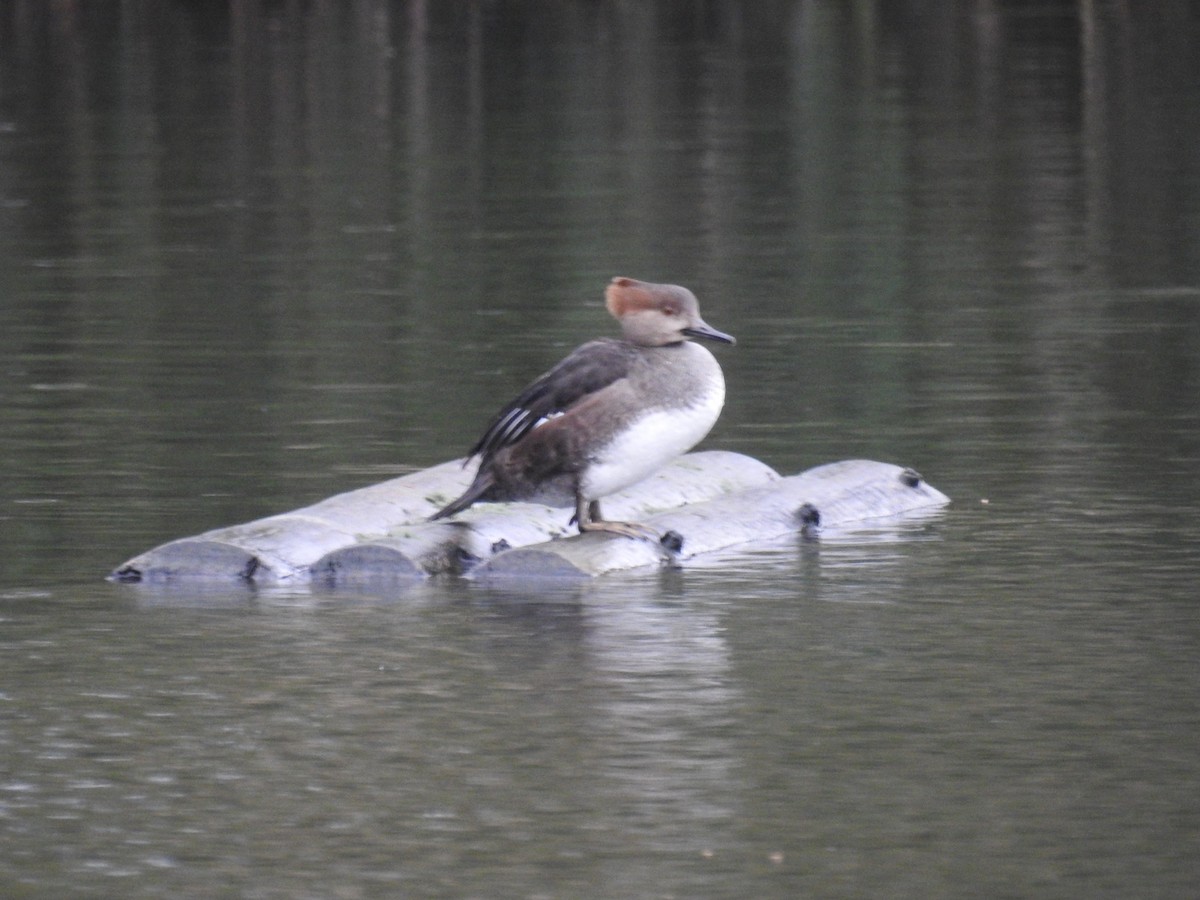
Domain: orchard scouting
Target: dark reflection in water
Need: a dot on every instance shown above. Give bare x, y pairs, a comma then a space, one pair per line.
252, 254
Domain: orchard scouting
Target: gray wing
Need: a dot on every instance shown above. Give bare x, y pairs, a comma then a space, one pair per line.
587, 369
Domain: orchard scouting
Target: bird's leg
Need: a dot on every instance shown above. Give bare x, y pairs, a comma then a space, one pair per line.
587, 514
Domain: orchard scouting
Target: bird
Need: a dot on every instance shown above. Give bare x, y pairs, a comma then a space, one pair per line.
608, 415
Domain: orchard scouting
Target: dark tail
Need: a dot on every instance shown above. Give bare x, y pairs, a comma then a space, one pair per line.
478, 490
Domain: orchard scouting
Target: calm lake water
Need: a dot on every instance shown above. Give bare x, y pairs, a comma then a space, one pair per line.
251, 257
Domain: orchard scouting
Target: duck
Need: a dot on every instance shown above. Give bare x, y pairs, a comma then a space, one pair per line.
611, 413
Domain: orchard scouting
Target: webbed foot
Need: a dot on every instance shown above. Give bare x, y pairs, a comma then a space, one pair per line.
626, 529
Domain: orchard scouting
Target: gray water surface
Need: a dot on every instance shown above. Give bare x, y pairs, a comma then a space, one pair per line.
249, 259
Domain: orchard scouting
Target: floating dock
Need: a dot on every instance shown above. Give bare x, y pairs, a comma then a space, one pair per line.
702, 502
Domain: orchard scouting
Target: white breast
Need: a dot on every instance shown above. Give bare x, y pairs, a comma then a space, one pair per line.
656, 438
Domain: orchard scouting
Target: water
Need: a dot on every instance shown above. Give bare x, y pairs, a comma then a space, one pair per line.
253, 259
